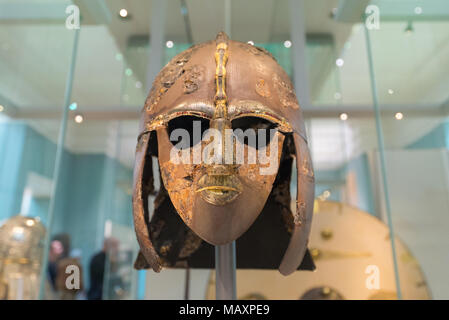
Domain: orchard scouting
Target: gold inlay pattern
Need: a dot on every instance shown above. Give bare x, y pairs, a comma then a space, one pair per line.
221, 58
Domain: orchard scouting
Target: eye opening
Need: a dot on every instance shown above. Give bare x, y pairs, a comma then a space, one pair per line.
256, 124
187, 123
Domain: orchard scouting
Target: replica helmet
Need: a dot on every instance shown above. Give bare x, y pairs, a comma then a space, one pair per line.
206, 120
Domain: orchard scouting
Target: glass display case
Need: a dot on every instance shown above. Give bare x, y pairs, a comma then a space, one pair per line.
371, 79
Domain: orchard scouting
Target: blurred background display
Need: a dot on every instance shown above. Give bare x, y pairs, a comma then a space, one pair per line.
21, 248
347, 263
371, 78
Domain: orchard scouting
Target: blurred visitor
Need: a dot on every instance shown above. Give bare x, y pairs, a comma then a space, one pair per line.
58, 260
97, 268
59, 248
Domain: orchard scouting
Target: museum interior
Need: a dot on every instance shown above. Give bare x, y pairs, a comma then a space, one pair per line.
372, 81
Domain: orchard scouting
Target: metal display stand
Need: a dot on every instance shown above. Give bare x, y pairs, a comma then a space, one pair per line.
225, 266
225, 262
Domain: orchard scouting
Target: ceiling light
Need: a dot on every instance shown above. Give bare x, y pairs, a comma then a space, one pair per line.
138, 84
79, 118
2, 108
390, 91
169, 44
344, 116
29, 222
251, 42
399, 116
73, 106
123, 13
128, 72
339, 62
418, 10
287, 43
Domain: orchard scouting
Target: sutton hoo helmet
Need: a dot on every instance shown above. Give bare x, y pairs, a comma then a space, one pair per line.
224, 122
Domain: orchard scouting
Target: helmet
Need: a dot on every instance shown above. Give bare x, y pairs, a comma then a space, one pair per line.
217, 100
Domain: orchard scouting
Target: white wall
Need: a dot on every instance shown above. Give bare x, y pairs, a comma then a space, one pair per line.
170, 284
418, 182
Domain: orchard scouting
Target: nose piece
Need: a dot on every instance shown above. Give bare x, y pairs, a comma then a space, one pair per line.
221, 170
219, 186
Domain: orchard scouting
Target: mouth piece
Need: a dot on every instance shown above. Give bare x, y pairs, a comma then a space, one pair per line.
219, 189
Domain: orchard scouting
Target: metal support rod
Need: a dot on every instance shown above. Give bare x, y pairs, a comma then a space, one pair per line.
227, 16
185, 15
187, 285
383, 168
58, 163
298, 39
157, 36
225, 265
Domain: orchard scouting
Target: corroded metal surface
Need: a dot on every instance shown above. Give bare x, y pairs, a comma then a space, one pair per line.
220, 81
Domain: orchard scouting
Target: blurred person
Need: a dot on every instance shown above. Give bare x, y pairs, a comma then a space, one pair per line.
97, 267
59, 249
54, 254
